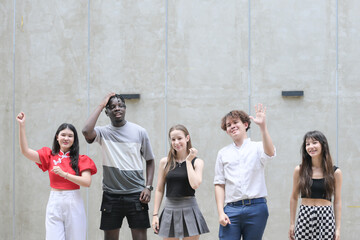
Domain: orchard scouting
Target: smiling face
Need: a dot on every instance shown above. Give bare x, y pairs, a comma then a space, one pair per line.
179, 141
235, 128
313, 147
116, 110
65, 139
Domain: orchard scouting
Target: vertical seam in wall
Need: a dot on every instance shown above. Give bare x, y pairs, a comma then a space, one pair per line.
337, 82
88, 111
249, 61
14, 122
166, 71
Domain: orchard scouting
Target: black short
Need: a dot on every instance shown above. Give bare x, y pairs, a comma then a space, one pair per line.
115, 207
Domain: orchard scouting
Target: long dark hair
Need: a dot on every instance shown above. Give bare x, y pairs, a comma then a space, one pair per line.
74, 149
305, 180
172, 152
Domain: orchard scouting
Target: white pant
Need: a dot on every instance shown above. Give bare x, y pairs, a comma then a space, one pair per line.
65, 216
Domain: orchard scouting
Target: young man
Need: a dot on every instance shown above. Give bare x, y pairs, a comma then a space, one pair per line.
124, 146
239, 178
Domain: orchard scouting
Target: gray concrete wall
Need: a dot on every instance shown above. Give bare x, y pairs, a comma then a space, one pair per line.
191, 61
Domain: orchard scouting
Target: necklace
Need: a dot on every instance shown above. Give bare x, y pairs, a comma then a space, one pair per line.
179, 163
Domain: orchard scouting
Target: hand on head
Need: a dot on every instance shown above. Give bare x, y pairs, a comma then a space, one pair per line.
106, 98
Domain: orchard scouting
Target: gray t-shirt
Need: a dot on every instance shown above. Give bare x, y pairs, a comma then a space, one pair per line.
124, 149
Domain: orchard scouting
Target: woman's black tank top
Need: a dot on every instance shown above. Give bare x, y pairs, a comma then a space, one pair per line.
318, 188
177, 182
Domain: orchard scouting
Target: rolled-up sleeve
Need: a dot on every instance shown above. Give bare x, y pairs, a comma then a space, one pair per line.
264, 158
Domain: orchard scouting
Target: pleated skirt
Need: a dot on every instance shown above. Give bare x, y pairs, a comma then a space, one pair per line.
181, 217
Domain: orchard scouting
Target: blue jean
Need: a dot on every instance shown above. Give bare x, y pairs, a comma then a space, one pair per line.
247, 221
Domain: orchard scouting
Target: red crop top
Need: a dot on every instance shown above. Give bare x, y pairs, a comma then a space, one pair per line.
48, 161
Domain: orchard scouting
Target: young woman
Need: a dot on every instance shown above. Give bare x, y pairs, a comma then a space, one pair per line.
65, 213
181, 171
317, 181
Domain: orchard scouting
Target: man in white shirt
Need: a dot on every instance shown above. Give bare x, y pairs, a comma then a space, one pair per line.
239, 177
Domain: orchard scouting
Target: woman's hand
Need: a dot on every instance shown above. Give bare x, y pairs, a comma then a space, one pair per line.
292, 232
21, 118
57, 170
155, 224
337, 235
192, 154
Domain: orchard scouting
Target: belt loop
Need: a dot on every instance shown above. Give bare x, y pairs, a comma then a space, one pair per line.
249, 202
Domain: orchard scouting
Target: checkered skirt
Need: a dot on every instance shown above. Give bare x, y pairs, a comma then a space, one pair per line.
315, 223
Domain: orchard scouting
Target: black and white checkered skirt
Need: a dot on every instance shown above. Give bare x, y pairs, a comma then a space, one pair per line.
181, 218
315, 223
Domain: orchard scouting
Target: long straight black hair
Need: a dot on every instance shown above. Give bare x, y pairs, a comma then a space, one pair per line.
74, 149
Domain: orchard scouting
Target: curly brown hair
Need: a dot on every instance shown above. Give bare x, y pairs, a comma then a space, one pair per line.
243, 116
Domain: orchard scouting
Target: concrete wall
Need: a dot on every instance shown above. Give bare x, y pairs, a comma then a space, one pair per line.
191, 61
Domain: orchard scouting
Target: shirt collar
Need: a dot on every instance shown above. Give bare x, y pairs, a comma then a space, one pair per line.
117, 128
246, 141
64, 155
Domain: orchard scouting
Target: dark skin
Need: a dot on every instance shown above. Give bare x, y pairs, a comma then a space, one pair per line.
116, 111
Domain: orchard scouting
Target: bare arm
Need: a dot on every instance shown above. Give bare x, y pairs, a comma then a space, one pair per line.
194, 173
145, 195
220, 198
25, 150
83, 180
293, 202
150, 169
159, 193
337, 202
89, 129
261, 121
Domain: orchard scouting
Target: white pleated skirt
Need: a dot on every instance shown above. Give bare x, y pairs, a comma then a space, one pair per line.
181, 217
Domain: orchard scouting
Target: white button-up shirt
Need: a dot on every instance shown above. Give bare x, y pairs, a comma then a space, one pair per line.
241, 169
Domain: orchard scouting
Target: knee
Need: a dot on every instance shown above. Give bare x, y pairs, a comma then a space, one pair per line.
139, 234
111, 234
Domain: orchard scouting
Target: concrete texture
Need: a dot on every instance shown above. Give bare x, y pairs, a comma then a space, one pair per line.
192, 62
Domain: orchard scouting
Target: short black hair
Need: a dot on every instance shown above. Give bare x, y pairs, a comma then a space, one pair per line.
118, 96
